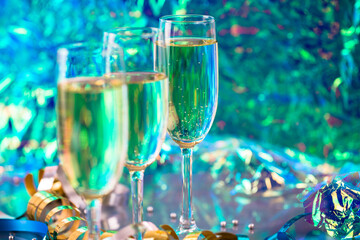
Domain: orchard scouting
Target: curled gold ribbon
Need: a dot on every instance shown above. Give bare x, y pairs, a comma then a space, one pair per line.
158, 235
30, 184
44, 206
34, 202
51, 207
170, 231
65, 221
61, 231
79, 232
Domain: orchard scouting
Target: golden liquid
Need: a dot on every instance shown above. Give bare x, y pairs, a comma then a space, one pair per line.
92, 132
148, 113
193, 76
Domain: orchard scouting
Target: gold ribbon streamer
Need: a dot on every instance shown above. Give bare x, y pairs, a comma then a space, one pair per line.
79, 232
158, 235
65, 222
44, 206
51, 207
30, 183
60, 231
170, 231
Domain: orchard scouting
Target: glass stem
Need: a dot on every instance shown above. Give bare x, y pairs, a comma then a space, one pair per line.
93, 217
137, 185
187, 222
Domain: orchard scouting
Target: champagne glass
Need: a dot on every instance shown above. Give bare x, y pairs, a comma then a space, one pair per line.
192, 67
148, 103
92, 114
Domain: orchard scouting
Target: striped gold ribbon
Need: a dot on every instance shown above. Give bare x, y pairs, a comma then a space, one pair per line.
65, 221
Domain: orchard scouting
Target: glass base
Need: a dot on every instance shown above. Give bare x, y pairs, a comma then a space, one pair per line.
183, 232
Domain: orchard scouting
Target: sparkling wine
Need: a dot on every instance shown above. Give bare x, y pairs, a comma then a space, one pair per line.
92, 136
193, 76
148, 109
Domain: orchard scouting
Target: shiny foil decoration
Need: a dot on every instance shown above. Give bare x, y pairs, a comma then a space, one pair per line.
335, 204
306, 97
247, 168
63, 218
66, 221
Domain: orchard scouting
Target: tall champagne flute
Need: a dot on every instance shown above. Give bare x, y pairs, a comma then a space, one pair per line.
92, 114
192, 67
148, 103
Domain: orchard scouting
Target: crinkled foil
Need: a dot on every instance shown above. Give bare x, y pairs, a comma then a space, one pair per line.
248, 168
51, 203
306, 97
335, 204
227, 173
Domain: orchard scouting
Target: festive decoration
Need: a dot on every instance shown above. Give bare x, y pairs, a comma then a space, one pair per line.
306, 97
236, 172
22, 229
282, 234
43, 206
335, 204
65, 221
249, 168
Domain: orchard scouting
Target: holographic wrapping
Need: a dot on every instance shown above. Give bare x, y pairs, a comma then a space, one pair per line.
335, 205
233, 179
288, 70
247, 168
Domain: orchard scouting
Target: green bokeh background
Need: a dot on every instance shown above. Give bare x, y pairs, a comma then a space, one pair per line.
288, 70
